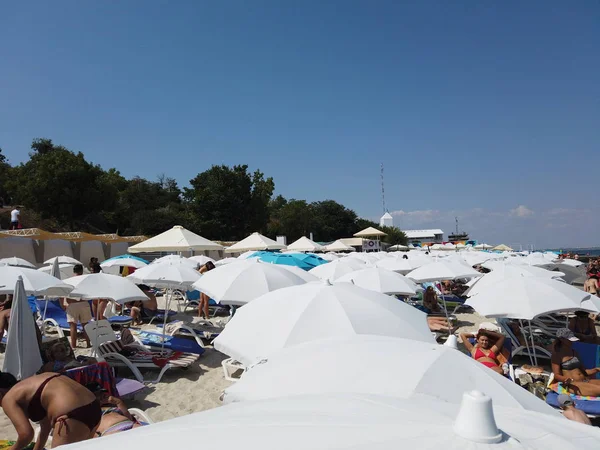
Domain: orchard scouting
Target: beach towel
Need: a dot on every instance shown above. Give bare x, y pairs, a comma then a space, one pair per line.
560, 389
5, 445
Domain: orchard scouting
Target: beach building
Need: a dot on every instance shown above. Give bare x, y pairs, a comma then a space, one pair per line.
386, 220
424, 237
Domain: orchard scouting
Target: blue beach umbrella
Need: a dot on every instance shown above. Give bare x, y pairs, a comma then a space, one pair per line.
282, 258
309, 258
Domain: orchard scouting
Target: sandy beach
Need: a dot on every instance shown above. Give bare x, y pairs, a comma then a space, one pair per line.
183, 392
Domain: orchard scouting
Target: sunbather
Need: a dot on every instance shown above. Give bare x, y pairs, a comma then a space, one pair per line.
567, 405
5, 307
568, 368
438, 324
115, 415
78, 311
61, 359
58, 403
147, 308
430, 301
484, 351
584, 328
203, 310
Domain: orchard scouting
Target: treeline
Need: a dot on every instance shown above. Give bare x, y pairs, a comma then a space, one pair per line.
62, 191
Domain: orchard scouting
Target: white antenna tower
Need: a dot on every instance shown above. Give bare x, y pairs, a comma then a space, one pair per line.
382, 191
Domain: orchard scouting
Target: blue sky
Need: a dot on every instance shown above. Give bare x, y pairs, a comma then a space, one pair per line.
485, 110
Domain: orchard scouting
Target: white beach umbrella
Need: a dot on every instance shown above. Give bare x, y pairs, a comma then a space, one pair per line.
399, 265
527, 297
304, 244
435, 371
338, 246
201, 259
307, 277
63, 260
123, 261
442, 270
505, 272
380, 280
225, 261
55, 271
314, 311
398, 247
538, 259
240, 283
65, 270
256, 242
329, 256
475, 258
360, 422
22, 357
571, 262
245, 255
35, 282
483, 246
335, 269
177, 239
176, 260
101, 285
165, 275
17, 262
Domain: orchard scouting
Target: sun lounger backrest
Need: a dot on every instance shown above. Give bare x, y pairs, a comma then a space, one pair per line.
100, 332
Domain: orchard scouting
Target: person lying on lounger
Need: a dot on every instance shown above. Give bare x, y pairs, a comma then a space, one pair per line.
61, 358
484, 351
568, 368
115, 415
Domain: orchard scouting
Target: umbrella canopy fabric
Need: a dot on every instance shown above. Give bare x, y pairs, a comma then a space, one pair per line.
225, 261
483, 246
335, 269
22, 358
399, 265
55, 271
435, 371
165, 275
255, 241
101, 285
527, 298
124, 261
286, 259
381, 280
571, 262
306, 276
338, 246
315, 311
505, 272
398, 247
304, 244
17, 262
35, 282
360, 422
65, 270
244, 281
442, 270
63, 260
502, 248
370, 232
201, 259
177, 239
176, 260
310, 258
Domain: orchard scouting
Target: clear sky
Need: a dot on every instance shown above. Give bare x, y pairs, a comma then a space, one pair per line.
485, 110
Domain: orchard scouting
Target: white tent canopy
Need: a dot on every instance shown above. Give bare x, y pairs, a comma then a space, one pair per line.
177, 239
370, 232
435, 371
304, 244
338, 246
255, 241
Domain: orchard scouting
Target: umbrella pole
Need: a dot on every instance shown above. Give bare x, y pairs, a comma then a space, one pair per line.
522, 329
532, 343
167, 308
446, 312
44, 315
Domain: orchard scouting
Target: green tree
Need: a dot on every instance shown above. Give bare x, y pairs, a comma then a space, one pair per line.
394, 236
43, 146
228, 203
293, 219
332, 220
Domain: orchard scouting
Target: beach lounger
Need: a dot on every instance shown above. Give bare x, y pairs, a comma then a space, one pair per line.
201, 331
107, 347
191, 299
518, 349
141, 416
179, 344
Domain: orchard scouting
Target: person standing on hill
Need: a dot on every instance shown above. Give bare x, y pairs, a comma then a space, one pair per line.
15, 214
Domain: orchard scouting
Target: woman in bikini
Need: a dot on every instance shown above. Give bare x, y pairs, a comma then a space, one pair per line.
204, 300
568, 368
484, 351
115, 415
58, 403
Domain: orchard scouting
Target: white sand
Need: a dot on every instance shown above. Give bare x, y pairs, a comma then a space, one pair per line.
182, 392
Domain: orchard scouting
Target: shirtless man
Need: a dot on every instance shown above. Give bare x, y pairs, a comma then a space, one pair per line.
566, 404
77, 311
147, 308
